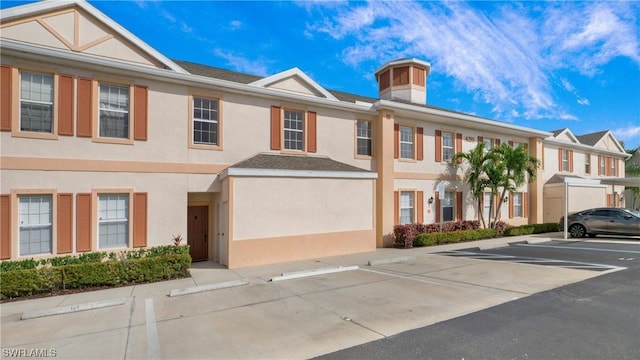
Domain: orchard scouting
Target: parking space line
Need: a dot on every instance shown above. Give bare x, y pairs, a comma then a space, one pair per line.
576, 248
153, 342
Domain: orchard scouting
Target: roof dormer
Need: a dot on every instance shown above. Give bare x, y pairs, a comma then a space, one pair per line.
403, 79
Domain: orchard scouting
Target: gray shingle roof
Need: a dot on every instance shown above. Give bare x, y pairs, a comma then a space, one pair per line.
295, 162
557, 132
591, 139
238, 77
559, 179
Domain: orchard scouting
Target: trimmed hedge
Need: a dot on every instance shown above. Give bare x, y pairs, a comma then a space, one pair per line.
405, 234
440, 238
133, 267
531, 229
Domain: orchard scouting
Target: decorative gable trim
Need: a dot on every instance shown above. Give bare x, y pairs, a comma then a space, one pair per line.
267, 82
568, 134
40, 9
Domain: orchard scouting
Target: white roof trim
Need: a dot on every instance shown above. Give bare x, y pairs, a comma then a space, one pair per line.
264, 82
613, 137
589, 148
299, 173
570, 134
469, 118
403, 62
50, 5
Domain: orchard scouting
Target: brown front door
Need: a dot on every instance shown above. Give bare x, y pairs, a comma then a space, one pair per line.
197, 228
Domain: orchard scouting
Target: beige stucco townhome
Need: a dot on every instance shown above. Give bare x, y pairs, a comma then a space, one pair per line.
108, 145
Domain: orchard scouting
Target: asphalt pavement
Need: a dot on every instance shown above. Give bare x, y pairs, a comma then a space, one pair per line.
283, 311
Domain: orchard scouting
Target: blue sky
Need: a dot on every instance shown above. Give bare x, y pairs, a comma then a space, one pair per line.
545, 65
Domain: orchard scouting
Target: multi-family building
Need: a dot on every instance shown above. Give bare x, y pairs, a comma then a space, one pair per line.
109, 145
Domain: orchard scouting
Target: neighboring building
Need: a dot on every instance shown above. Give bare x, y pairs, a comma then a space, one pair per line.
109, 145
632, 194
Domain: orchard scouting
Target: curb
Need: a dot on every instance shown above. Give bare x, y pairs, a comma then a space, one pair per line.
71, 308
305, 273
203, 288
394, 260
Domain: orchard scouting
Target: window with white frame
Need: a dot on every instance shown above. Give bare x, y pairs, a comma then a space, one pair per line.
113, 220
587, 163
36, 102
406, 142
565, 160
517, 204
294, 130
447, 146
363, 137
205, 121
35, 216
486, 205
488, 144
448, 206
114, 111
406, 207
603, 166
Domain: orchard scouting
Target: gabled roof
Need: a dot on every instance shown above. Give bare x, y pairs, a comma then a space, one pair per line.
593, 138
558, 134
52, 6
296, 75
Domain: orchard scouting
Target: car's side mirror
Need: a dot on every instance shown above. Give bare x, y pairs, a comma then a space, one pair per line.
628, 217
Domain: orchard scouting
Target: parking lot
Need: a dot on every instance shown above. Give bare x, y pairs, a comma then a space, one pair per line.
368, 297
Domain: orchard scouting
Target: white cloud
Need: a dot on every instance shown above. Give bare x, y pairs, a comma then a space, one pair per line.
242, 64
507, 54
630, 135
235, 24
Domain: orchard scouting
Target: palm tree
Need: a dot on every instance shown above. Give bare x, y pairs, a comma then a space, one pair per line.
476, 173
518, 168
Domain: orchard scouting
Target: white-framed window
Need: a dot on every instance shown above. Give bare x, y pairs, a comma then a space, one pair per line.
293, 130
35, 217
488, 144
517, 204
113, 220
406, 207
406, 142
448, 206
448, 148
603, 166
205, 121
363, 137
565, 160
587, 163
36, 102
486, 205
114, 111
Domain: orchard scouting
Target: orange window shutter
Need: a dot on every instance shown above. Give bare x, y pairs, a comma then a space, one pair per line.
525, 205
480, 139
275, 128
559, 159
437, 206
396, 141
139, 219
617, 167
599, 162
570, 160
83, 222
85, 108
497, 142
396, 207
458, 146
511, 207
5, 227
6, 97
419, 143
420, 207
65, 223
459, 206
609, 199
438, 149
140, 112
65, 105
607, 166
312, 145
511, 144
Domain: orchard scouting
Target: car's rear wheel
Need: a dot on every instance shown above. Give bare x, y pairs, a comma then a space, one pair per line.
577, 231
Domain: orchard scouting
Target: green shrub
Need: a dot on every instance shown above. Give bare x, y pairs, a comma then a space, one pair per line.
30, 281
18, 265
142, 267
531, 229
439, 238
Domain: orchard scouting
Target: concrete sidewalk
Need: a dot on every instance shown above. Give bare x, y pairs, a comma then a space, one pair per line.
256, 318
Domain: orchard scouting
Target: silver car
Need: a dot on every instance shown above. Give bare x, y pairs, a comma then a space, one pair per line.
602, 221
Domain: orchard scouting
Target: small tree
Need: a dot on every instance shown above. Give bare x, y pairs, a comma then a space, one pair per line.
476, 173
518, 166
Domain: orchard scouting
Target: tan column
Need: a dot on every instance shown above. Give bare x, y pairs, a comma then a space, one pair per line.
536, 202
383, 151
